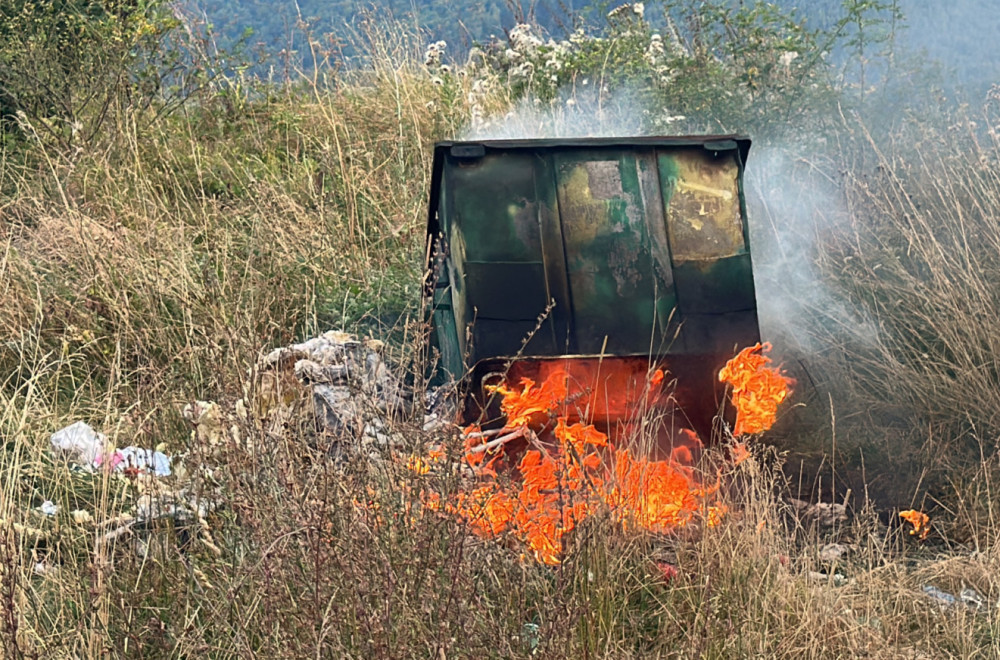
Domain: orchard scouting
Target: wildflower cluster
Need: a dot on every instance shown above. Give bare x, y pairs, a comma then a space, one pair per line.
738, 69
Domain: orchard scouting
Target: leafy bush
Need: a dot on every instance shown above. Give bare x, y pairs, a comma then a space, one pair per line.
705, 67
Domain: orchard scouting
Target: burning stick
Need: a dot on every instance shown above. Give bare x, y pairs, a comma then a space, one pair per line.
493, 444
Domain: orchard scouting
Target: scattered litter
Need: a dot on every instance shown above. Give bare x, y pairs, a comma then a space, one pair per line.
182, 507
80, 443
942, 598
837, 579
143, 460
81, 517
113, 460
87, 448
824, 514
355, 396
968, 597
49, 508
972, 598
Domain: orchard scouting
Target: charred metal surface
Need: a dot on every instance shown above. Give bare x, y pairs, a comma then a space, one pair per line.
621, 247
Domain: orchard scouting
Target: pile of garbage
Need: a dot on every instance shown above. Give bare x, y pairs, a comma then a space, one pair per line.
356, 398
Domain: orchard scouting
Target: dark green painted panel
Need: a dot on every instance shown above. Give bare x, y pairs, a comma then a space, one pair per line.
640, 241
715, 287
611, 276
716, 334
494, 203
492, 337
507, 291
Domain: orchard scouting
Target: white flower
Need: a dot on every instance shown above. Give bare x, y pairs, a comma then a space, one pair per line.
445, 68
655, 49
787, 58
523, 70
523, 39
638, 9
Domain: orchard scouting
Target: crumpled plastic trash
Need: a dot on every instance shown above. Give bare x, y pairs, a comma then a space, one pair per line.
972, 598
836, 579
85, 446
942, 598
80, 443
144, 460
49, 508
968, 597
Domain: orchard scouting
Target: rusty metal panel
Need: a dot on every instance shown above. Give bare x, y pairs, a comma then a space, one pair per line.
704, 218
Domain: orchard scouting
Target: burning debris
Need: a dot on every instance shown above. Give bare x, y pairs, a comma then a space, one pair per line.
561, 472
920, 521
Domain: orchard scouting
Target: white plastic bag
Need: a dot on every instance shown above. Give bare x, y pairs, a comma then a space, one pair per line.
80, 443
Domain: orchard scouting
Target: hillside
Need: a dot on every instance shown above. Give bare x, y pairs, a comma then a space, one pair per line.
220, 435
954, 36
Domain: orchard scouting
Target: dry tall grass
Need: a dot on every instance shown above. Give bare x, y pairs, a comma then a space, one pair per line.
150, 271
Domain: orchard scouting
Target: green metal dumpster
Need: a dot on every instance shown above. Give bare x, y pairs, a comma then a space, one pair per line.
601, 249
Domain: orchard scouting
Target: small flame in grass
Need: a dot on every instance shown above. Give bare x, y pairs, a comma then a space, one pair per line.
758, 389
739, 453
423, 464
920, 521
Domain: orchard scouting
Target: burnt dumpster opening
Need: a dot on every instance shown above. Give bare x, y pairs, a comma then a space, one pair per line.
608, 260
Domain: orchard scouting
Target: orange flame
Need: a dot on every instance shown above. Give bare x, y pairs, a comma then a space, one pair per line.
757, 389
562, 483
530, 403
920, 521
570, 471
